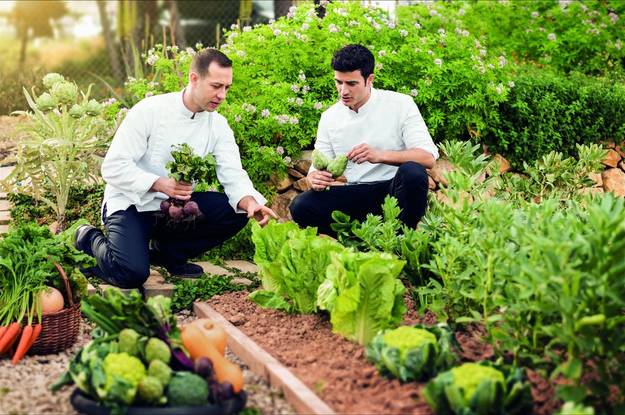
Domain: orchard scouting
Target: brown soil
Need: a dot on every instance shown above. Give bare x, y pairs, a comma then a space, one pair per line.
337, 370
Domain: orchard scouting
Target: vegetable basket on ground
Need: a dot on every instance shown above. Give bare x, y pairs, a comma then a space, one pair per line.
140, 361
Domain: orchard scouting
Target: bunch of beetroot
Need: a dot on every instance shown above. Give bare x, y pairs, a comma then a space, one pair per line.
189, 168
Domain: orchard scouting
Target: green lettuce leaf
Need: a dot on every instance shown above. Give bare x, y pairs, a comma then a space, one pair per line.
363, 294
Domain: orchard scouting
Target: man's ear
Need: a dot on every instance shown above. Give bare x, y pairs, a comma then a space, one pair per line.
193, 77
370, 79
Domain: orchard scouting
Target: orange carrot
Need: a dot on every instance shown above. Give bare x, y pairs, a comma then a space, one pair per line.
2, 330
22, 346
33, 338
9, 337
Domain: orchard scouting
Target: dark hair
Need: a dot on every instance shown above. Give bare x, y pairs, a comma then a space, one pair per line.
204, 58
354, 57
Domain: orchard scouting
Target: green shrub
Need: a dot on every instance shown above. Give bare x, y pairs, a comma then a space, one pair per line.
548, 112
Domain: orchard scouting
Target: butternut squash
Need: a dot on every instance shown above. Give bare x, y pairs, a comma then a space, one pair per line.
213, 332
198, 345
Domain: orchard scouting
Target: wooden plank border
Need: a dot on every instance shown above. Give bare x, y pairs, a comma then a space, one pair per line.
301, 398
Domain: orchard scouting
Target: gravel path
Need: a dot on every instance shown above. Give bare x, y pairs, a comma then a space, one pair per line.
24, 389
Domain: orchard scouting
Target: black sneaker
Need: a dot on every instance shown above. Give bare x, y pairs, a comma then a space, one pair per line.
186, 270
81, 242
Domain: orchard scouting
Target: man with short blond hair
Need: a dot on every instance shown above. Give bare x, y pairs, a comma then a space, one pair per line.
137, 182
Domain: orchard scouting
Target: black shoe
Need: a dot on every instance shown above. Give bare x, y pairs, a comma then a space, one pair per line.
186, 270
81, 240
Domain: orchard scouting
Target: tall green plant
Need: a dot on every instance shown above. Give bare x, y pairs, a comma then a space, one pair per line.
64, 135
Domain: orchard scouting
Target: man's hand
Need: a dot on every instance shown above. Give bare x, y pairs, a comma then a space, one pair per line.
260, 213
319, 180
364, 152
172, 188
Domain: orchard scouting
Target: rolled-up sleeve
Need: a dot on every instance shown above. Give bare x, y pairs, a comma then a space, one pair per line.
130, 143
230, 173
415, 133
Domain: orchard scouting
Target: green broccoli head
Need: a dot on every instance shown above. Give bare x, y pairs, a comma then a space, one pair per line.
319, 160
150, 390
123, 374
337, 166
187, 389
161, 371
156, 349
129, 342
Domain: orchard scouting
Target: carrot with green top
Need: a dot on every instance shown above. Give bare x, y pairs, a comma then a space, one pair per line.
10, 336
22, 346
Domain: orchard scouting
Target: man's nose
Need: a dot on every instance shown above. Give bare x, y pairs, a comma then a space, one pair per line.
221, 94
343, 89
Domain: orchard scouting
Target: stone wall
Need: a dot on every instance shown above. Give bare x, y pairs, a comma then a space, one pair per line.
612, 179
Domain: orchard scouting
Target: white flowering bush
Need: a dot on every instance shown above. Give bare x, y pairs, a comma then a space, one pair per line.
65, 133
436, 52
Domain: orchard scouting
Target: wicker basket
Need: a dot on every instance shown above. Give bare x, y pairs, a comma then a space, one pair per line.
60, 329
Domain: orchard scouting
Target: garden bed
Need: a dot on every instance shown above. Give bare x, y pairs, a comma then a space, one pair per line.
336, 369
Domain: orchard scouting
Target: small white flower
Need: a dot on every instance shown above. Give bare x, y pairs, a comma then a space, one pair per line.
376, 26
149, 94
482, 52
174, 48
465, 33
499, 89
291, 100
295, 88
318, 105
491, 66
551, 36
391, 25
502, 61
333, 28
249, 108
618, 44
280, 150
151, 60
277, 32
301, 76
347, 34
291, 13
477, 44
241, 53
282, 119
353, 23
414, 92
234, 26
417, 26
305, 26
199, 46
430, 52
265, 113
294, 120
381, 53
441, 31
341, 12
247, 28
511, 84
287, 159
403, 33
433, 13
535, 15
299, 102
305, 89
461, 12
190, 51
438, 61
237, 118
379, 66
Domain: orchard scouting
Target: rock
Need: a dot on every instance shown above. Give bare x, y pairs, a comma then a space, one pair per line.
281, 184
281, 203
591, 191
614, 181
441, 167
302, 166
621, 165
609, 144
504, 165
431, 183
294, 173
596, 178
620, 149
301, 185
612, 159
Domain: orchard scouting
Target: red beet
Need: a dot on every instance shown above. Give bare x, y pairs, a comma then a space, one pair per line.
165, 204
191, 209
175, 212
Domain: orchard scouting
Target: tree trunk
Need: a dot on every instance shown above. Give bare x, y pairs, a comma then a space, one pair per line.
23, 35
175, 27
109, 41
281, 8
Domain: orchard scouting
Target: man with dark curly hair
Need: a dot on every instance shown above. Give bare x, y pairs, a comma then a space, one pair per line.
385, 140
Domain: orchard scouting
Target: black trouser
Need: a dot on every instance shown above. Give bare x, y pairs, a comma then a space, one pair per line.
409, 187
123, 257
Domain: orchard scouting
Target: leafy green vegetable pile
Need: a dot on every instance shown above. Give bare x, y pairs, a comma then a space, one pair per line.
189, 168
